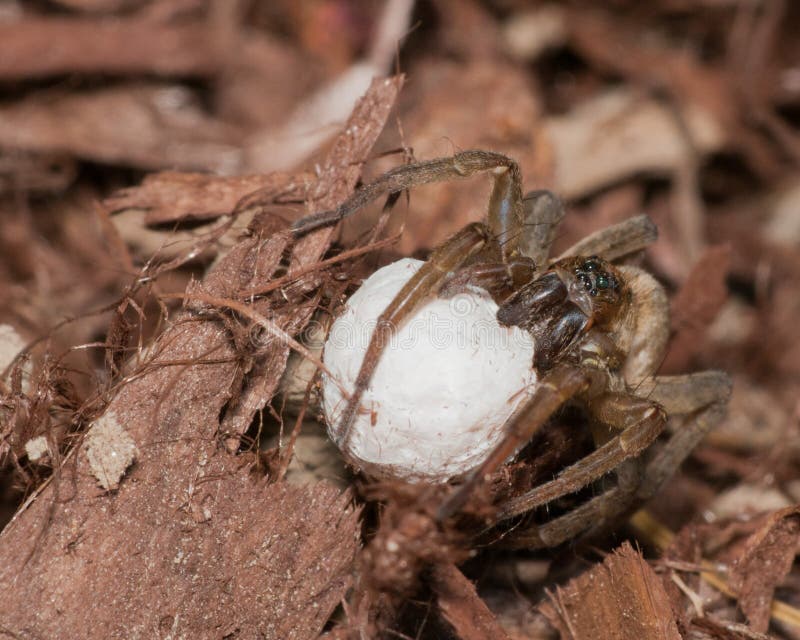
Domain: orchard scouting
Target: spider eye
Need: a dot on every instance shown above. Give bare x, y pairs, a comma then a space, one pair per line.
591, 265
602, 282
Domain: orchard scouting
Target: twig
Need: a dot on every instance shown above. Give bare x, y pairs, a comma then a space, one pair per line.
661, 537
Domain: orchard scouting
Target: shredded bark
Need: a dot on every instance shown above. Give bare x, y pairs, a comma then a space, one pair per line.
207, 127
148, 126
622, 598
335, 183
38, 46
201, 530
257, 560
765, 560
463, 608
696, 306
170, 196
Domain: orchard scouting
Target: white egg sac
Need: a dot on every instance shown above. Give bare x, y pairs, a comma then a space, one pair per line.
444, 386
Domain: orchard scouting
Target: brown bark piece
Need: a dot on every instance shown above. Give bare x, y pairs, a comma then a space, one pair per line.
336, 182
171, 196
95, 6
765, 561
696, 305
35, 47
147, 126
343, 166
620, 599
463, 608
34, 172
190, 545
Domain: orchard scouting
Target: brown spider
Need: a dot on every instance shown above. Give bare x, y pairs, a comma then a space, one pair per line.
600, 332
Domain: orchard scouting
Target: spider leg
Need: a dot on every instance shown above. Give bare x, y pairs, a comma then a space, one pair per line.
499, 279
506, 198
603, 508
523, 243
703, 396
542, 212
640, 421
616, 241
442, 262
687, 393
549, 395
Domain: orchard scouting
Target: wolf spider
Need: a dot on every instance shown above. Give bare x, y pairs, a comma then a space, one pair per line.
600, 332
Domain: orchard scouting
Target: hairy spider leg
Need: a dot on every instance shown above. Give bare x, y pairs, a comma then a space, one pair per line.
550, 394
616, 241
704, 397
506, 215
523, 246
640, 422
700, 396
499, 279
542, 213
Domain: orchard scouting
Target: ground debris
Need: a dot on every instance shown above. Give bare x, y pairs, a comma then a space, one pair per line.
35, 46
148, 271
107, 125
620, 599
765, 560
462, 608
171, 196
110, 451
212, 539
696, 305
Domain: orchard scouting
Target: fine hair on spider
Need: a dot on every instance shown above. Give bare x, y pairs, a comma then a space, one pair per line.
600, 330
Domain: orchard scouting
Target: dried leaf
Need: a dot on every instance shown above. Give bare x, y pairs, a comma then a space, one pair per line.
619, 134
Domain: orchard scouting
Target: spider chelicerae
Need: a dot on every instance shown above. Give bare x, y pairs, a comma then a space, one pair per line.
600, 331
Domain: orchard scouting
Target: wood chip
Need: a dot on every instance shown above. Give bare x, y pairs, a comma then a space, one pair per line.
147, 126
191, 544
110, 450
620, 599
37, 47
462, 607
696, 306
767, 558
171, 196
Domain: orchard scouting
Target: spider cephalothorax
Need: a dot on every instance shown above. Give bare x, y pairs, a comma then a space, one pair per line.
561, 305
600, 332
